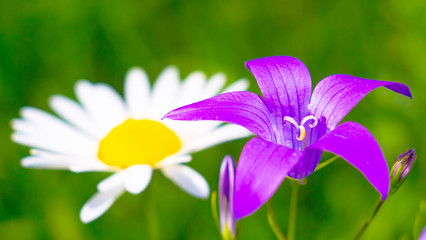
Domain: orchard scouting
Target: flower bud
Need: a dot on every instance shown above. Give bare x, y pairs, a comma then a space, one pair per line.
226, 191
401, 168
423, 234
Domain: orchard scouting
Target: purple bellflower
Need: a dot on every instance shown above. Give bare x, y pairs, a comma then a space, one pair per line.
226, 191
293, 127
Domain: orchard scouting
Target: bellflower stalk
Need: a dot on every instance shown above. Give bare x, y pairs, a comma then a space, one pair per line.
400, 169
293, 127
226, 191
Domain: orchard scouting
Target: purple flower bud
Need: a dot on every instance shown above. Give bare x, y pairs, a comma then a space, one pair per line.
401, 168
423, 235
226, 191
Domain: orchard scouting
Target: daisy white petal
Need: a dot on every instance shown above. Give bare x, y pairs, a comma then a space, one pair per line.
214, 85
58, 161
188, 179
137, 178
98, 204
164, 91
46, 159
172, 160
23, 126
114, 181
192, 88
56, 144
219, 135
113, 103
137, 92
239, 85
47, 128
73, 113
43, 163
102, 103
85, 94
90, 167
70, 158
49, 123
185, 130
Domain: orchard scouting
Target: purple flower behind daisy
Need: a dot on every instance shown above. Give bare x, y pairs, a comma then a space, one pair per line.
293, 127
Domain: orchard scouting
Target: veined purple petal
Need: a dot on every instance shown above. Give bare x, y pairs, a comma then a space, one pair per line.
357, 145
286, 85
226, 191
242, 108
307, 164
336, 95
261, 169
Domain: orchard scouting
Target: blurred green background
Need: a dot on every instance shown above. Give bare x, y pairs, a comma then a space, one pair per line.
46, 46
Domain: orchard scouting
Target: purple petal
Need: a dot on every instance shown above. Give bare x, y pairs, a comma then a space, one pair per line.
286, 86
261, 169
357, 145
307, 164
242, 108
336, 95
226, 190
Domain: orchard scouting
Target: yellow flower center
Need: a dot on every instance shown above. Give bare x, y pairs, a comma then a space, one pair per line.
138, 142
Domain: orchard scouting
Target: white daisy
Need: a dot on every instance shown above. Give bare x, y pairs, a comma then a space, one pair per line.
104, 133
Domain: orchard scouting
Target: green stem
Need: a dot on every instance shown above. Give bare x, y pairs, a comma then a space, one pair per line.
326, 162
367, 223
293, 210
152, 217
214, 210
237, 230
272, 220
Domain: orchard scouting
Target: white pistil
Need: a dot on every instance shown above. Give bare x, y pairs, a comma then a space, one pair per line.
302, 130
291, 120
307, 118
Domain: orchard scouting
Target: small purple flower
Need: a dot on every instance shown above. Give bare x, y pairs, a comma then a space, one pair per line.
401, 168
293, 127
226, 192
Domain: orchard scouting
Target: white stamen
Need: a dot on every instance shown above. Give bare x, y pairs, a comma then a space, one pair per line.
302, 130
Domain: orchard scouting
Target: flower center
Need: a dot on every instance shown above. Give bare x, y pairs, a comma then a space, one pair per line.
138, 142
302, 130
